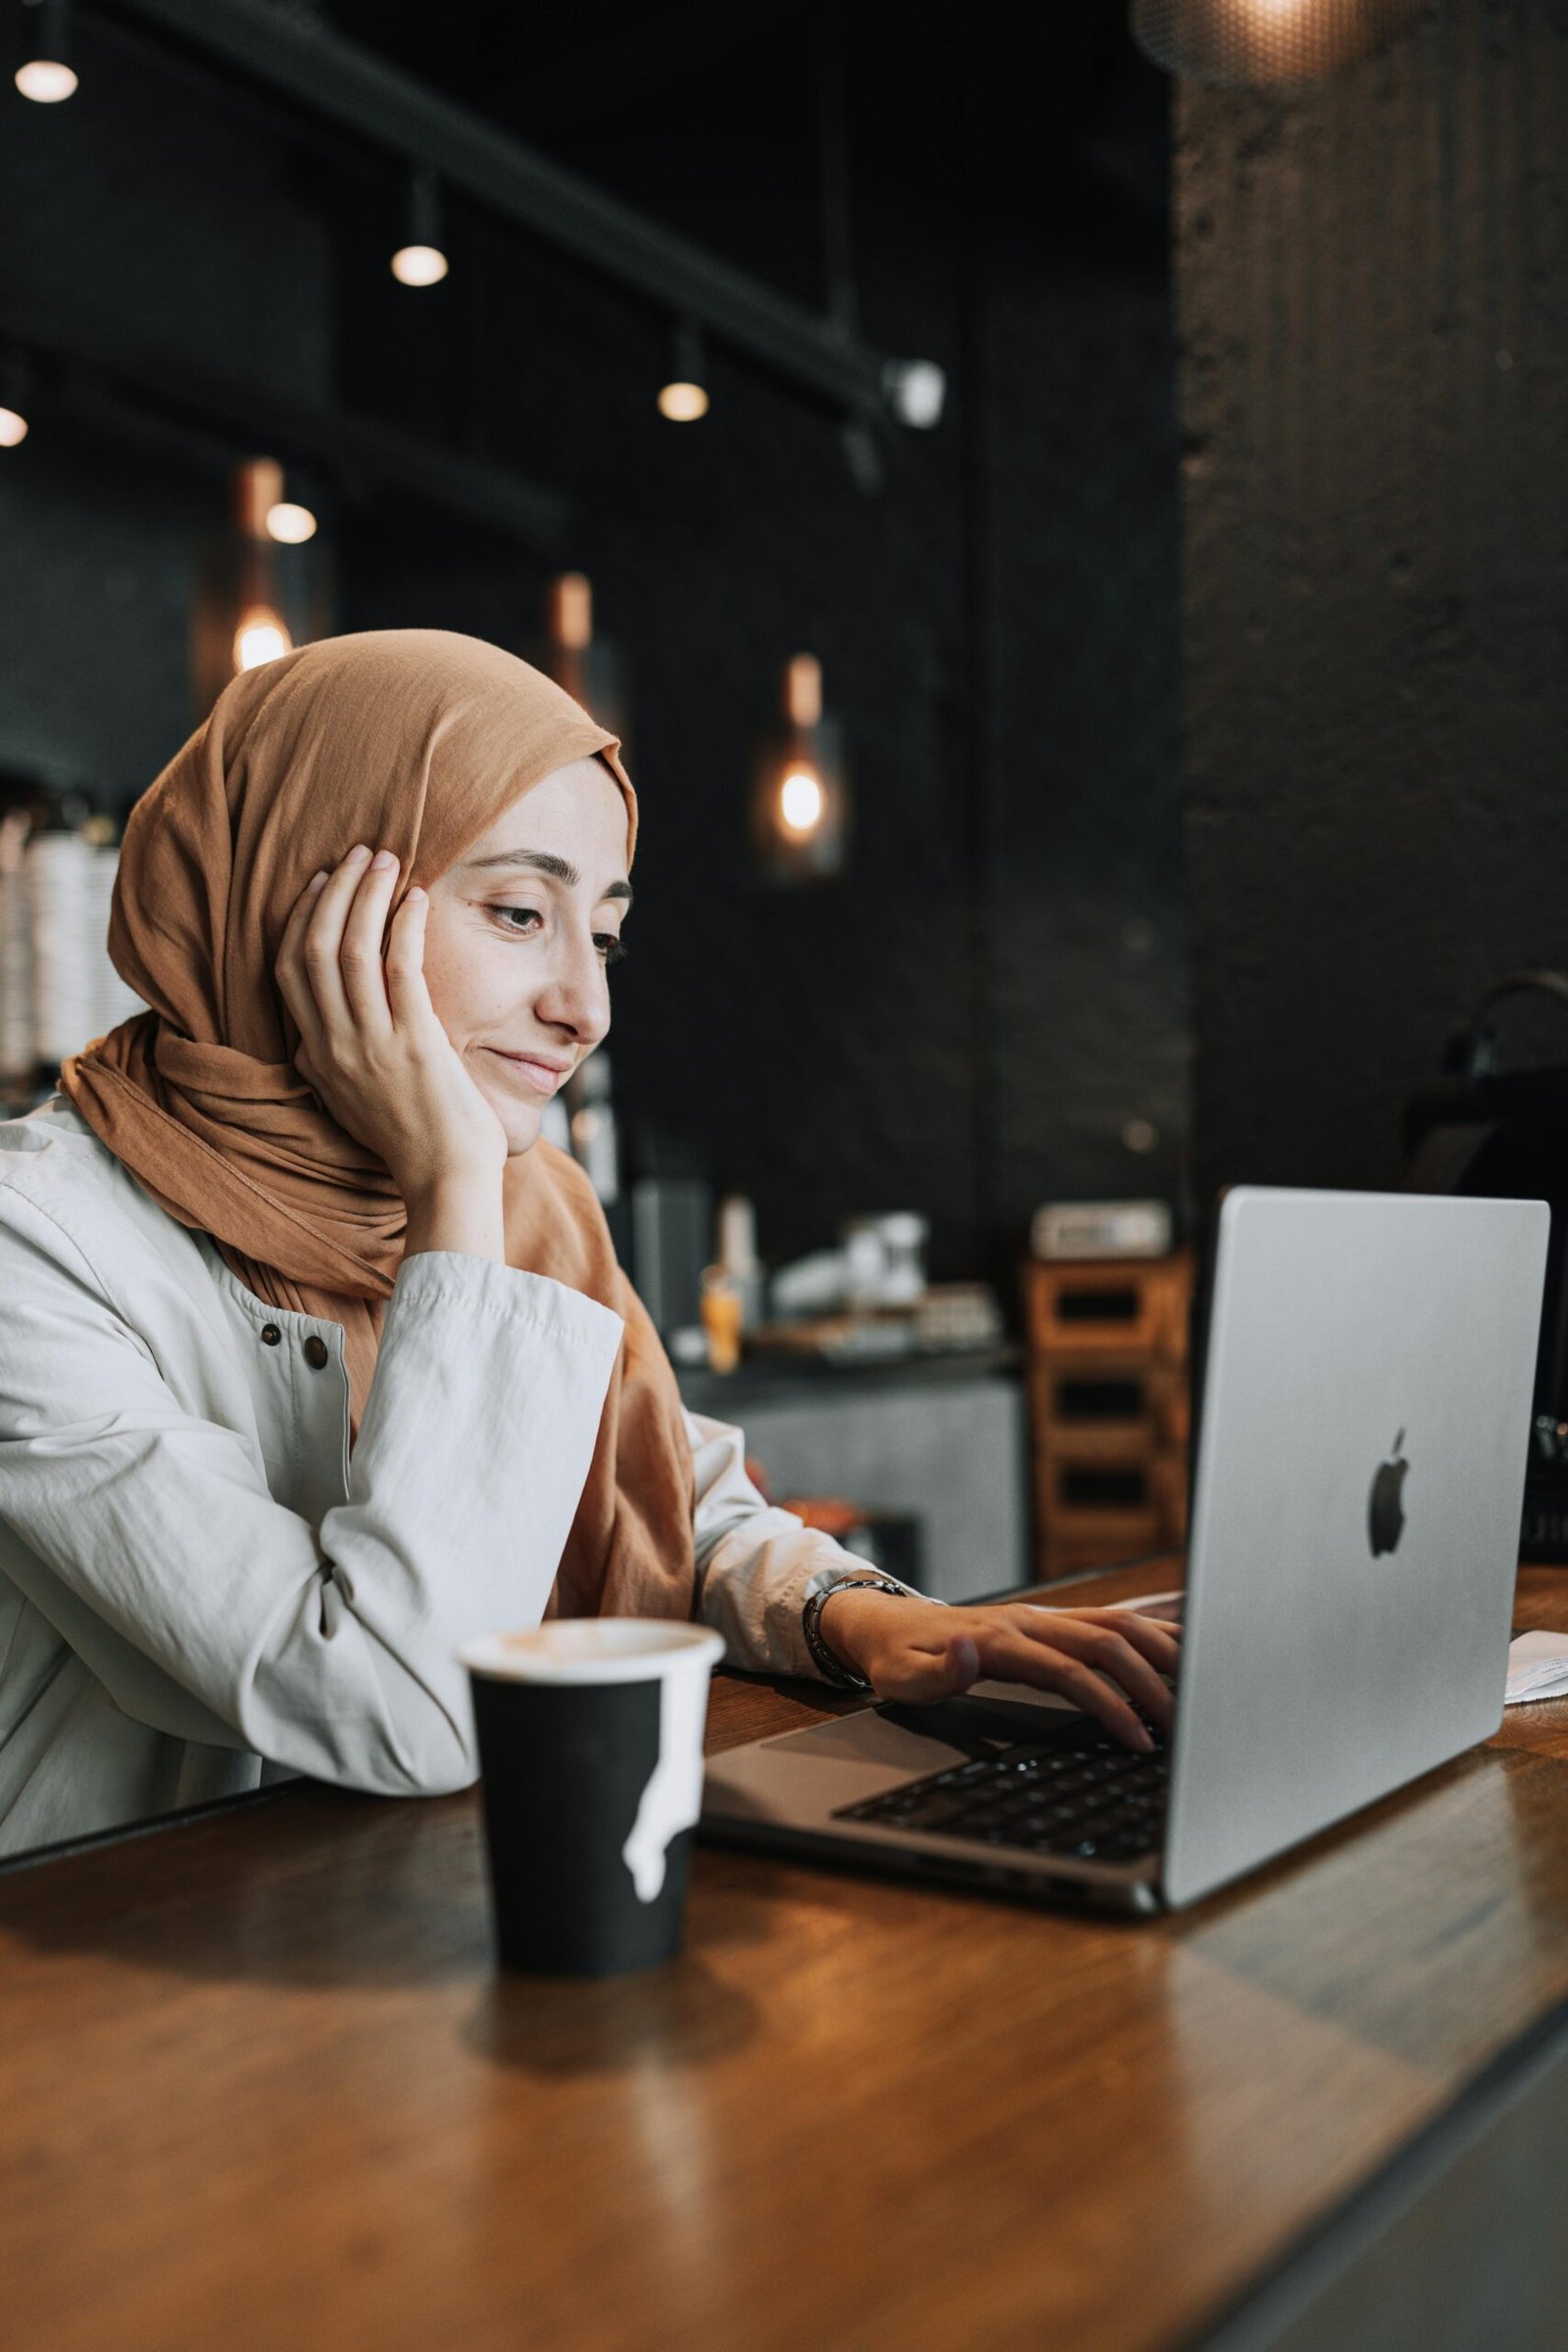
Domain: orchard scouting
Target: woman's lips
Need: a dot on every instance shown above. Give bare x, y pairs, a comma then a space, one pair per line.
543, 1076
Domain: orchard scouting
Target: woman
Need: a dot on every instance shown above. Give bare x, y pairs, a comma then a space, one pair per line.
315, 1361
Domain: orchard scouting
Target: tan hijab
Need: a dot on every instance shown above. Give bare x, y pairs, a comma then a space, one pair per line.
415, 740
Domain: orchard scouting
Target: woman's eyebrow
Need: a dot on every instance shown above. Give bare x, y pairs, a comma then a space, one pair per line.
545, 862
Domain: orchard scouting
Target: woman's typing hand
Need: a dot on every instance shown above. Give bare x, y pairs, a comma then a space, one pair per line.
1107, 1661
376, 1057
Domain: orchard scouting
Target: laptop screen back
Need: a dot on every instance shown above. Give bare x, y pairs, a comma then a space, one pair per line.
1355, 1520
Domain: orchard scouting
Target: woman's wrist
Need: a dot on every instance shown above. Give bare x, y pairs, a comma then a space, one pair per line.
849, 1600
461, 1210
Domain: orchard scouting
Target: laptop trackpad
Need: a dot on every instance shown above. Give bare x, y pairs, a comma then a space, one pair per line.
804, 1777
808, 1775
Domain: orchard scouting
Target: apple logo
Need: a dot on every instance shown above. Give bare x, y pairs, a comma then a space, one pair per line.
1385, 1516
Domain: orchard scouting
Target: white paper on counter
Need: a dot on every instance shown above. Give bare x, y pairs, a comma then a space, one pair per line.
1537, 1668
1537, 1663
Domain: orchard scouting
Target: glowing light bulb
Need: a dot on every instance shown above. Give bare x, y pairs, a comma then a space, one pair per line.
800, 802
290, 524
1267, 43
13, 427
419, 265
683, 398
682, 403
46, 81
260, 637
918, 390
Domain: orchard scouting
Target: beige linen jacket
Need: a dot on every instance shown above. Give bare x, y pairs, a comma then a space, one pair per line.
200, 1590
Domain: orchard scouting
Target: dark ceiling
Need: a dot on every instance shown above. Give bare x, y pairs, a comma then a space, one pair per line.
947, 107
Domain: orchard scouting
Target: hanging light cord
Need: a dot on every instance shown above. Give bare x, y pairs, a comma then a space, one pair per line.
840, 297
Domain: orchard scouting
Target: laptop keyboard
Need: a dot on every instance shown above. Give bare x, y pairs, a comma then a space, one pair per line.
1092, 1802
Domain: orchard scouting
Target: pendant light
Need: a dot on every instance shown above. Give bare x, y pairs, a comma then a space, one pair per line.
1266, 43
569, 619
264, 578
586, 664
46, 74
261, 633
290, 522
266, 507
262, 636
14, 388
421, 259
801, 803
683, 399
916, 392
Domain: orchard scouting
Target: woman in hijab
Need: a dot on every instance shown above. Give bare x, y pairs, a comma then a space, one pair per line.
316, 1362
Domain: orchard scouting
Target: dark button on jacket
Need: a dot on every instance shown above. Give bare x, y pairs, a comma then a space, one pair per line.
314, 1353
270, 1335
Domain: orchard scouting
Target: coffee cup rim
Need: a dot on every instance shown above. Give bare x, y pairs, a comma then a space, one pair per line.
636, 1649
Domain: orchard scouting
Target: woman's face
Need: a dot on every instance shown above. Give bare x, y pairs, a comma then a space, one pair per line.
519, 938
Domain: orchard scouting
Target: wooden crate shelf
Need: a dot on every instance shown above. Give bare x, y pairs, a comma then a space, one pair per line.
1109, 1404
1127, 1307
1109, 1407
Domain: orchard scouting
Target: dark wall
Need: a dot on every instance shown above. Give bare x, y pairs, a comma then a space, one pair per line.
1373, 289
141, 208
970, 1019
1086, 936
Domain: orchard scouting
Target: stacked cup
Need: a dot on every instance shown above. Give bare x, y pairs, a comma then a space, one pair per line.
591, 1750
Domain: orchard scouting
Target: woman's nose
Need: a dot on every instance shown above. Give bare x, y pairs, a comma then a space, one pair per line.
577, 996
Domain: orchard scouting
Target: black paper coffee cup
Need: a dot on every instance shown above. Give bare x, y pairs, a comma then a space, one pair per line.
591, 1754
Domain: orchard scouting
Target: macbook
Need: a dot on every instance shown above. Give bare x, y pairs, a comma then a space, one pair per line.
1360, 1460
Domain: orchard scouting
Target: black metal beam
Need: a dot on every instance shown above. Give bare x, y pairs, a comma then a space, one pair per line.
339, 81
361, 456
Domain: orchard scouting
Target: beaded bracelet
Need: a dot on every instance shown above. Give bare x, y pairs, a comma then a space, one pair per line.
828, 1664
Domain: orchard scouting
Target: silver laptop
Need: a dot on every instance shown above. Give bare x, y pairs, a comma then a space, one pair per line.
1364, 1420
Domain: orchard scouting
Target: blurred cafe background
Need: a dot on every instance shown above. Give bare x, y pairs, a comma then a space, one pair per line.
1073, 536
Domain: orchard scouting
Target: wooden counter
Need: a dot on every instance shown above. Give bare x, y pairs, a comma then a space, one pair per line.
262, 2088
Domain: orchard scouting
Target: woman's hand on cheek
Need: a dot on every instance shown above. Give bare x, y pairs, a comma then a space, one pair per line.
372, 1049
1107, 1661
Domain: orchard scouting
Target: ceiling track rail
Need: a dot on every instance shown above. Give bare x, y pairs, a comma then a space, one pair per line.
334, 80
95, 370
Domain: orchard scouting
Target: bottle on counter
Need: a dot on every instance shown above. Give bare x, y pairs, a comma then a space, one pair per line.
671, 1238
737, 1254
58, 862
114, 1002
59, 858
723, 1314
885, 1259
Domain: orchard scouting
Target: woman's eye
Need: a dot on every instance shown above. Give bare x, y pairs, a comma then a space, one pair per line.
525, 922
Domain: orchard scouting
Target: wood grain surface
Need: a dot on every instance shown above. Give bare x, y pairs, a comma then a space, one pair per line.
262, 2086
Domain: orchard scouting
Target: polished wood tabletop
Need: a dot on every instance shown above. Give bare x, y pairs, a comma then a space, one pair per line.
262, 2085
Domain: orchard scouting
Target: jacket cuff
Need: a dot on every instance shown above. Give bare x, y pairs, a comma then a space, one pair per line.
442, 1280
